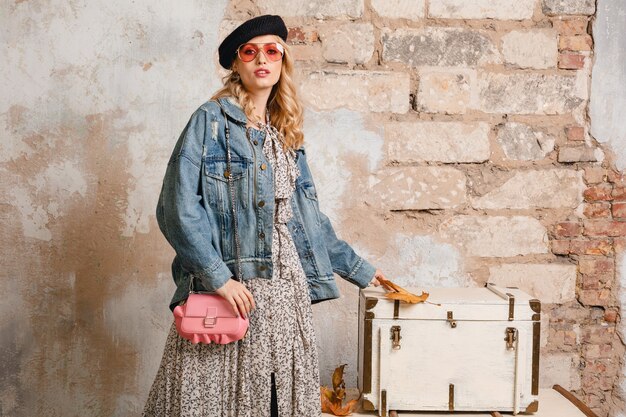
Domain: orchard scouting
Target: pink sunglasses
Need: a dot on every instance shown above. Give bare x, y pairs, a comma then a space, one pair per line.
273, 51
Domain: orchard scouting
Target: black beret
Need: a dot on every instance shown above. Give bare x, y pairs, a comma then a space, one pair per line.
266, 24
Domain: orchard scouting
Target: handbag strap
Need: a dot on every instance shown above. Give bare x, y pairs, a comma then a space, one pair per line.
228, 176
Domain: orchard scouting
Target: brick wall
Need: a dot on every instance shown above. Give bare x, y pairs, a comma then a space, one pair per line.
483, 105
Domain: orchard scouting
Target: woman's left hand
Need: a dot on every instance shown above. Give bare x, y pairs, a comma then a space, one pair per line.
374, 280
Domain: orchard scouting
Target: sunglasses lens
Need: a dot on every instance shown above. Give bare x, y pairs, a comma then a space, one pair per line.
273, 52
248, 51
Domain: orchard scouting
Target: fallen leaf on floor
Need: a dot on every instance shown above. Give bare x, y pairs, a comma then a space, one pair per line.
396, 292
332, 399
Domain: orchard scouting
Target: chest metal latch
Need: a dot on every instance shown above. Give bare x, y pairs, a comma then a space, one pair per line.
395, 337
511, 337
451, 320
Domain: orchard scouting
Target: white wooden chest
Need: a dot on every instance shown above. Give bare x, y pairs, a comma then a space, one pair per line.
477, 350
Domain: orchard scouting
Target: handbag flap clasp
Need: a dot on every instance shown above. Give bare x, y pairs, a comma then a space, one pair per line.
211, 317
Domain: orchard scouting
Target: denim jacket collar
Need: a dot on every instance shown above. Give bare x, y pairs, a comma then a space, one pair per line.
233, 109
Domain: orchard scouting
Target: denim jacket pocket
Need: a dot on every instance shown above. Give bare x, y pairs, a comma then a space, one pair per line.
309, 192
218, 192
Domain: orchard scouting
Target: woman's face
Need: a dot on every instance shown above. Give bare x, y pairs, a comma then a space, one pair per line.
253, 78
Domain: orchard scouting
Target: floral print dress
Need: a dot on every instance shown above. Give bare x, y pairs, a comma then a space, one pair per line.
234, 380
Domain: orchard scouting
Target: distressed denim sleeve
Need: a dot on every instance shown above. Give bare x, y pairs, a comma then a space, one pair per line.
344, 260
180, 213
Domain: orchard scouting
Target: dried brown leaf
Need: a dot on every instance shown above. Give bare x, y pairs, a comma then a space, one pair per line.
408, 297
338, 376
328, 393
396, 292
326, 402
346, 410
331, 400
388, 285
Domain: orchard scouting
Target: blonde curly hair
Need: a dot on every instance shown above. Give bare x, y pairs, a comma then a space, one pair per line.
286, 111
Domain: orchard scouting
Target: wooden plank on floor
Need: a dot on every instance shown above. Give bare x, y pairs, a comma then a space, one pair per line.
552, 403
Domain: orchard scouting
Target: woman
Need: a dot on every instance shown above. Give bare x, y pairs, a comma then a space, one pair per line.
288, 249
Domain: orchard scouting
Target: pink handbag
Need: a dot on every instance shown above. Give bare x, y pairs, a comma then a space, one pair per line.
208, 317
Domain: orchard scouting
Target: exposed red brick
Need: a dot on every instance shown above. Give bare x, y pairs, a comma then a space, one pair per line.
573, 26
594, 175
560, 247
590, 283
600, 192
617, 178
619, 193
571, 61
619, 244
576, 133
575, 43
598, 282
590, 247
610, 316
297, 35
600, 297
567, 229
594, 265
598, 209
610, 228
619, 209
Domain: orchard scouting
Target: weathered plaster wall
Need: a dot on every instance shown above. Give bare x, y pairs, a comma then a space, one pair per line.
450, 141
607, 107
94, 95
607, 104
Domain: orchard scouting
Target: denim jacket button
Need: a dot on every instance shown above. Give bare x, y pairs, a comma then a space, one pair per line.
261, 203
262, 235
262, 268
256, 142
263, 166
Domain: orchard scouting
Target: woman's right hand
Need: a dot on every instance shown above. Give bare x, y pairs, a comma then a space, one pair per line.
238, 296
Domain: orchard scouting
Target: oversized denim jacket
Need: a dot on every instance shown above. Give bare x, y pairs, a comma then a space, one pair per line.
194, 212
